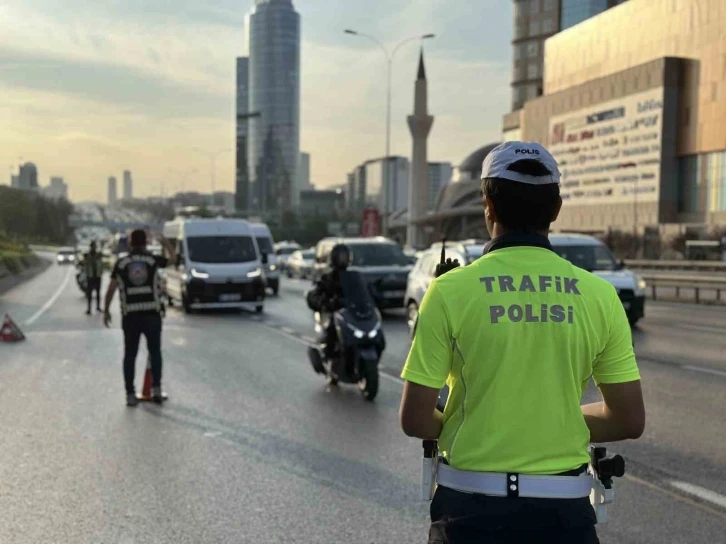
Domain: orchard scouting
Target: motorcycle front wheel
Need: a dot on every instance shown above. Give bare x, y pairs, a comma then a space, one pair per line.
369, 382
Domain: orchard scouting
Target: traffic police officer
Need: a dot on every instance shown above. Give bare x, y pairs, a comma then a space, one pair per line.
517, 336
93, 267
141, 307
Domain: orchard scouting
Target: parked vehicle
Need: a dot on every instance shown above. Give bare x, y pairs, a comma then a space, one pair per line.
421, 277
265, 244
359, 341
381, 262
300, 264
594, 256
215, 264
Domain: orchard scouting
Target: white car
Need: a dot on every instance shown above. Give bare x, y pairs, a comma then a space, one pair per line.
591, 254
66, 255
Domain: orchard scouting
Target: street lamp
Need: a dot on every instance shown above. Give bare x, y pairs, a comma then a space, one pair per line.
213, 158
389, 59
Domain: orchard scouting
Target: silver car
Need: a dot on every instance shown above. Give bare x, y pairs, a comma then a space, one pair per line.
421, 277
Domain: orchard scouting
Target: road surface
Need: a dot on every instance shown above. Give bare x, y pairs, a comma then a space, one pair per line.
252, 448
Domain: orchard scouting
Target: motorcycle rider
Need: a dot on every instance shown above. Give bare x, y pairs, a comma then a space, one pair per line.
326, 295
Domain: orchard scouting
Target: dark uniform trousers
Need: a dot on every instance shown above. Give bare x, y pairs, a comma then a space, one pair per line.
135, 325
468, 518
93, 284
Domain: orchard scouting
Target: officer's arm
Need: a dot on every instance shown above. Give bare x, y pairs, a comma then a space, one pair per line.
427, 368
621, 414
110, 292
418, 414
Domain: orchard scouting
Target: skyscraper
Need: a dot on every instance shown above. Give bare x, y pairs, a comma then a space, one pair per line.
440, 174
28, 177
112, 191
303, 177
242, 180
128, 185
534, 22
274, 93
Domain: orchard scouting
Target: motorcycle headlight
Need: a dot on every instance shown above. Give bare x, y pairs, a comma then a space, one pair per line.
356, 331
375, 330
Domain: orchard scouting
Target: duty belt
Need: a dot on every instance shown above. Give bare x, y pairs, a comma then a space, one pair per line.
515, 485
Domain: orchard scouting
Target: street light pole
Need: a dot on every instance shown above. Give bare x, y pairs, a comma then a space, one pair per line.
213, 159
183, 176
389, 73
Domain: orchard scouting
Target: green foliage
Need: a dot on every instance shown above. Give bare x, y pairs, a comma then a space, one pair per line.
27, 216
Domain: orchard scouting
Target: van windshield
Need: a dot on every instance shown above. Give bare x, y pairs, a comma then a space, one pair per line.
265, 245
221, 249
590, 258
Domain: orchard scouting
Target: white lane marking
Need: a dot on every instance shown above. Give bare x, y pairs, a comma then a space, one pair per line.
705, 370
700, 492
288, 330
51, 300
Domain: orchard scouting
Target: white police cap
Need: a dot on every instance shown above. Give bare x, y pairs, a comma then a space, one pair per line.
498, 160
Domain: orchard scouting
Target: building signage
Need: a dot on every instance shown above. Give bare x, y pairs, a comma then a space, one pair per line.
610, 153
371, 223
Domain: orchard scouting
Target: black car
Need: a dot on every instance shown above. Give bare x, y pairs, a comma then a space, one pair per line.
381, 261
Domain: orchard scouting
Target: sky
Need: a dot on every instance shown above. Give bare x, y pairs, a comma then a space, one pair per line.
90, 88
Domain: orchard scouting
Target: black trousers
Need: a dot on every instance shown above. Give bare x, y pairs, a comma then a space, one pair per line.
134, 326
94, 284
464, 518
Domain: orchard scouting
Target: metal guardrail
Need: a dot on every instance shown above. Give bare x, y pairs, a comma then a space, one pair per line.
695, 266
695, 283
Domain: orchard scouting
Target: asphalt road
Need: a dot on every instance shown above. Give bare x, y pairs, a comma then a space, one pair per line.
251, 447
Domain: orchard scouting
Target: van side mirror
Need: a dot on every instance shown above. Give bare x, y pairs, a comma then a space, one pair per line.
265, 259
621, 265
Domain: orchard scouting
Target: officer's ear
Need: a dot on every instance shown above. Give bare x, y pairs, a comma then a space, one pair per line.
489, 212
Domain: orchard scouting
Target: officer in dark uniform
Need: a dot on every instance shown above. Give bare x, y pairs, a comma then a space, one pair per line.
93, 266
135, 277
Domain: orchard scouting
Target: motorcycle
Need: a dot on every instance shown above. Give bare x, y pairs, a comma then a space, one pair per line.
359, 338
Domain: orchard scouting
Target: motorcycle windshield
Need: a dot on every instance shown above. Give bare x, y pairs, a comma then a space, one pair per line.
356, 292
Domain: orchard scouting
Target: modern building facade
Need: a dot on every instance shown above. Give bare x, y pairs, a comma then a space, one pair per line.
303, 177
57, 189
439, 176
534, 22
112, 191
27, 178
128, 185
274, 92
322, 203
635, 118
242, 180
379, 183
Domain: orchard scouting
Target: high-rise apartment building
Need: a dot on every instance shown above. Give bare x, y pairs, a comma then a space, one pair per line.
28, 177
57, 189
112, 195
128, 186
440, 174
534, 22
242, 180
273, 31
303, 177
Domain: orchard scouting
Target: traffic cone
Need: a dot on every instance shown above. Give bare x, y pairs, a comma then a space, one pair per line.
146, 389
10, 332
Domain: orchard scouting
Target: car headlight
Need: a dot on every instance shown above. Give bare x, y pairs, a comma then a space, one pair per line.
199, 274
256, 273
273, 268
642, 285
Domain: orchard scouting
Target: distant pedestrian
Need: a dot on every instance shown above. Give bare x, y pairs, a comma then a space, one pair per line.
135, 277
93, 267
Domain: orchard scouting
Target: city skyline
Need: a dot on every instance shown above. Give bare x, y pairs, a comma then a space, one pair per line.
126, 100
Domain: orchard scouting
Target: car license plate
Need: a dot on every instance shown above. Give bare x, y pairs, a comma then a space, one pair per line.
626, 305
230, 297
394, 294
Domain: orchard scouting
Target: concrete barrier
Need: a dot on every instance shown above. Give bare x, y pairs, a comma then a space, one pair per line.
693, 266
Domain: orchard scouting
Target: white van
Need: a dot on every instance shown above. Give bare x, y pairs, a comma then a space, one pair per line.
594, 256
215, 264
266, 244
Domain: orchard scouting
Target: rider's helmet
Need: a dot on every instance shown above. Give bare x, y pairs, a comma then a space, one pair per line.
339, 257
